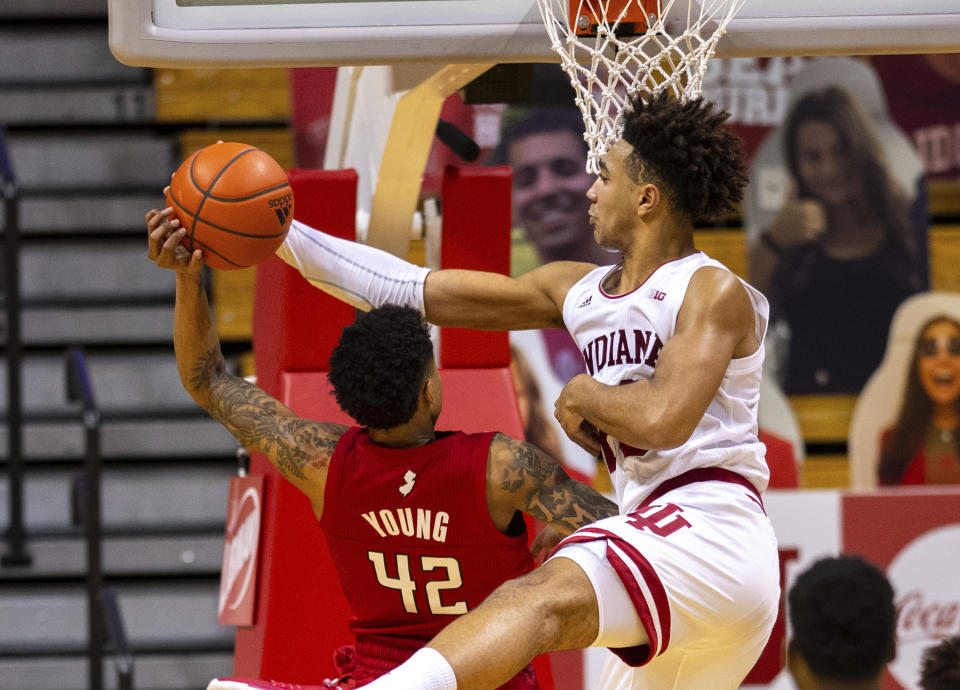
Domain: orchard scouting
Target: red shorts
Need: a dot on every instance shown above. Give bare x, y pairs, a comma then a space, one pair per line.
367, 661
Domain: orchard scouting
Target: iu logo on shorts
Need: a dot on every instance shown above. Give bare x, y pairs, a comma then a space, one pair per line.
661, 520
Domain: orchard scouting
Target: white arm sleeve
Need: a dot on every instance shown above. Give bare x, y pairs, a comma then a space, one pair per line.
363, 276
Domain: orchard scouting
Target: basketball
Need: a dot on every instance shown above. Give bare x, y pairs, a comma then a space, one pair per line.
235, 203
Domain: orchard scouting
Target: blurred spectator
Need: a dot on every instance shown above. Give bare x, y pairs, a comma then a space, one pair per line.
545, 147
840, 250
844, 625
923, 446
940, 668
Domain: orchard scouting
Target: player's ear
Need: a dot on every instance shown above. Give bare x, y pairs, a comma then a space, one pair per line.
428, 390
648, 198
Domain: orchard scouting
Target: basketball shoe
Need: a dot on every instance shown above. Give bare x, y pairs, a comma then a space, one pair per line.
344, 683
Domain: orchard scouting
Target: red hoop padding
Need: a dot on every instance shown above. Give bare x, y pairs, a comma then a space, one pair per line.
476, 235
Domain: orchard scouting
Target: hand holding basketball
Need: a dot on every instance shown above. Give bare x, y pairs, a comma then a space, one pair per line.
234, 202
163, 243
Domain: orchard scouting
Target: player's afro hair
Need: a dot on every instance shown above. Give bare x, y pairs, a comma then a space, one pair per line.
844, 619
378, 367
687, 150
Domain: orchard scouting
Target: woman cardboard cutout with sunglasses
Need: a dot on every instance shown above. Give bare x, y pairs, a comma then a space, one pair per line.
923, 446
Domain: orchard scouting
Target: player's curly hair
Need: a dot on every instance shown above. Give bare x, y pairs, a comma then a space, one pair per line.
687, 151
940, 668
379, 365
844, 619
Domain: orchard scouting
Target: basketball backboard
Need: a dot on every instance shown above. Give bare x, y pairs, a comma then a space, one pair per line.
289, 33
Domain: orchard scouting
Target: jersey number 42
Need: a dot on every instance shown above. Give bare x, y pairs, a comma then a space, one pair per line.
433, 589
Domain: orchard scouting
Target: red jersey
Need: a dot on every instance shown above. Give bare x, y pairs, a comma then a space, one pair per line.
411, 536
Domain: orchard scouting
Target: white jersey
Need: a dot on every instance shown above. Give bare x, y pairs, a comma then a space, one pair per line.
620, 337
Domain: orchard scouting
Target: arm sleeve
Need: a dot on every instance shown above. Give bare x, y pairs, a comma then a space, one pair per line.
362, 276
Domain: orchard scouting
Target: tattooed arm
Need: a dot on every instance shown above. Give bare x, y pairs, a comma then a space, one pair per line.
299, 448
522, 477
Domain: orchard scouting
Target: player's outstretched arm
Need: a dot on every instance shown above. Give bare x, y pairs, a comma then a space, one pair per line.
299, 448
716, 324
495, 302
522, 477
367, 277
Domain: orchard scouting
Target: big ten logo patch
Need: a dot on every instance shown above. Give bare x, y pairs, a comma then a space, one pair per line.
240, 552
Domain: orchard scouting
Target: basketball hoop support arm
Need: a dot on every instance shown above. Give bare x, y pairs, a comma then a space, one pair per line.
404, 102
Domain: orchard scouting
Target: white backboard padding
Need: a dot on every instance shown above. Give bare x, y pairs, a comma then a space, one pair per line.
224, 33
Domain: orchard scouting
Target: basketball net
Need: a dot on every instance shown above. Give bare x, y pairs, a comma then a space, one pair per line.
613, 49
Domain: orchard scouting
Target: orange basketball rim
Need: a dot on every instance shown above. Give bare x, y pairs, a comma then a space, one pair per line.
629, 16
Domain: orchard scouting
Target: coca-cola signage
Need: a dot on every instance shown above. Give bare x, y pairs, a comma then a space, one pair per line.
915, 536
238, 574
924, 576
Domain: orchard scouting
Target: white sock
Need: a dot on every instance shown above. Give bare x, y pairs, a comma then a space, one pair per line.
362, 276
425, 670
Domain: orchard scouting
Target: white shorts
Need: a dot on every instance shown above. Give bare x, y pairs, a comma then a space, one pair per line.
695, 573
